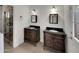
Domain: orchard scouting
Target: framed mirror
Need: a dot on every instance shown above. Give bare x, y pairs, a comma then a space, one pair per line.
53, 18
34, 18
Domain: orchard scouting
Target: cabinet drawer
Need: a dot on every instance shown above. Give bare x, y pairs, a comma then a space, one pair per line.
49, 35
57, 36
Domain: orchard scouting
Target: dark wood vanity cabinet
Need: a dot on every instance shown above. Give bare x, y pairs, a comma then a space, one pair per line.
54, 41
29, 34
32, 34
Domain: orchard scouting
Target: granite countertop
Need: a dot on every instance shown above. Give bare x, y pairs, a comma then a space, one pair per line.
32, 28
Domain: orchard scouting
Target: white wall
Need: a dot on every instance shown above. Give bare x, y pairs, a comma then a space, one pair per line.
68, 28
43, 17
67, 21
19, 23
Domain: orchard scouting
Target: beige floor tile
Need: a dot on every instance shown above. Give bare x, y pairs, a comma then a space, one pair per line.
27, 48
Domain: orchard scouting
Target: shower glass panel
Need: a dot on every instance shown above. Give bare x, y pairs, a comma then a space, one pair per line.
8, 26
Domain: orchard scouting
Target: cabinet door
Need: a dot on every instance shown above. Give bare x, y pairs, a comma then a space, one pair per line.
49, 40
27, 34
33, 35
59, 44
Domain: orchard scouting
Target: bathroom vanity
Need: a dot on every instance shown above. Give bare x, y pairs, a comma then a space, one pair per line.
32, 34
54, 39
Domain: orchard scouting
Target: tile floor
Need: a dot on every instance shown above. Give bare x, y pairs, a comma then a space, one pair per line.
26, 48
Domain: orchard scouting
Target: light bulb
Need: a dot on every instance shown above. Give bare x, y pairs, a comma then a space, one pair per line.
34, 12
7, 15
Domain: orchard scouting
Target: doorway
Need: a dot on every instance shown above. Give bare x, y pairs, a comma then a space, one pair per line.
8, 28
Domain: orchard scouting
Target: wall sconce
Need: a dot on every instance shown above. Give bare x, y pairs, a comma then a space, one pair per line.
34, 12
53, 10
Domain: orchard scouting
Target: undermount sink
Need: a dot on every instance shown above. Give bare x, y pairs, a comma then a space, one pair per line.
53, 31
32, 28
